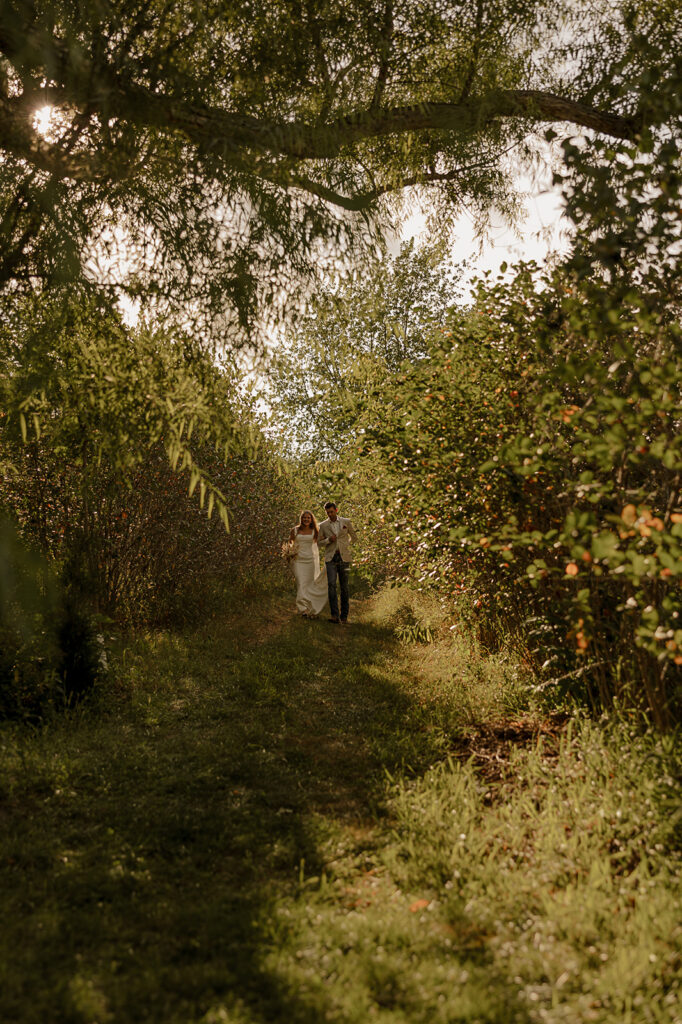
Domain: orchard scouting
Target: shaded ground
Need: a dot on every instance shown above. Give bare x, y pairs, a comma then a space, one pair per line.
150, 838
205, 844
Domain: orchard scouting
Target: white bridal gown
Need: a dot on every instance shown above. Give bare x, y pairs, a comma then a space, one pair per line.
311, 596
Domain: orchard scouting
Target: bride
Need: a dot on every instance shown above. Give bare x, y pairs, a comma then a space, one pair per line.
311, 595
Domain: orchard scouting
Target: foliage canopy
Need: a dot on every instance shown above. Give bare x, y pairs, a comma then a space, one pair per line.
351, 334
237, 146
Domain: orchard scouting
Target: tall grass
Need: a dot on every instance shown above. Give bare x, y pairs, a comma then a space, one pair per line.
278, 820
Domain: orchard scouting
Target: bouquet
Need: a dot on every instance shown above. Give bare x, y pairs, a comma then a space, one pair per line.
289, 551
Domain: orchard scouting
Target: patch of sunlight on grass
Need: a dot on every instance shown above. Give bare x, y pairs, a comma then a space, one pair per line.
553, 902
404, 607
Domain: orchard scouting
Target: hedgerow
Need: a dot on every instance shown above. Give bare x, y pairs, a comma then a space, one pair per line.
533, 462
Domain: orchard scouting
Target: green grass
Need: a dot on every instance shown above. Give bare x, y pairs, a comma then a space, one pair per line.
281, 820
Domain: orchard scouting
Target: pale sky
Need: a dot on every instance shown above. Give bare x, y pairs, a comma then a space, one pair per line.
544, 232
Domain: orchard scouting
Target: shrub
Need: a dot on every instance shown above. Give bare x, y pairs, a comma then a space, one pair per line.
533, 462
140, 548
117, 448
50, 652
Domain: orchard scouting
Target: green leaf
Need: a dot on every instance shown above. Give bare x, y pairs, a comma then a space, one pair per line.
605, 545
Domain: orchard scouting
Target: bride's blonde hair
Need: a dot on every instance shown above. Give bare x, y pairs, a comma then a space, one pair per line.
313, 522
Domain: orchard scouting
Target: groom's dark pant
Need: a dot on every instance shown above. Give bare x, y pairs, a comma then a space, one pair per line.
337, 568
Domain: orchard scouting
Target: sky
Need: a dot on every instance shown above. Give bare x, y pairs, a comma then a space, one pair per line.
543, 232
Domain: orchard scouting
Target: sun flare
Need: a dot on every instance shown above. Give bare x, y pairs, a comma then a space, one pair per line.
43, 119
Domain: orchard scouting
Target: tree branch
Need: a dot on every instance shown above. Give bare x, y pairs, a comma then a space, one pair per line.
321, 59
475, 52
468, 117
384, 64
215, 129
365, 200
235, 135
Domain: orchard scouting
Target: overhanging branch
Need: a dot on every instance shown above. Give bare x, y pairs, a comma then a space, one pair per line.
365, 200
242, 138
224, 130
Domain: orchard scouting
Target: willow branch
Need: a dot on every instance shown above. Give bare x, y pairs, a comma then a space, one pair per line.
220, 130
360, 201
233, 134
384, 65
475, 53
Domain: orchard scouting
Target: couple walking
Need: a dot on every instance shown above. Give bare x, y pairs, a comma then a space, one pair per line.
315, 588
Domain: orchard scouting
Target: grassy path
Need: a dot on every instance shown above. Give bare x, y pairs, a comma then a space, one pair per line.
280, 820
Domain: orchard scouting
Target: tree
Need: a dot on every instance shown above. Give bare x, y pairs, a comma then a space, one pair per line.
236, 145
76, 379
355, 332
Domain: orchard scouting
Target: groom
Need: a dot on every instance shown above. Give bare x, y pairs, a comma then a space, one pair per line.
335, 536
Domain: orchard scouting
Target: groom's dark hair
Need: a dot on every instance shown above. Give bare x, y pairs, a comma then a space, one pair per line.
329, 504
